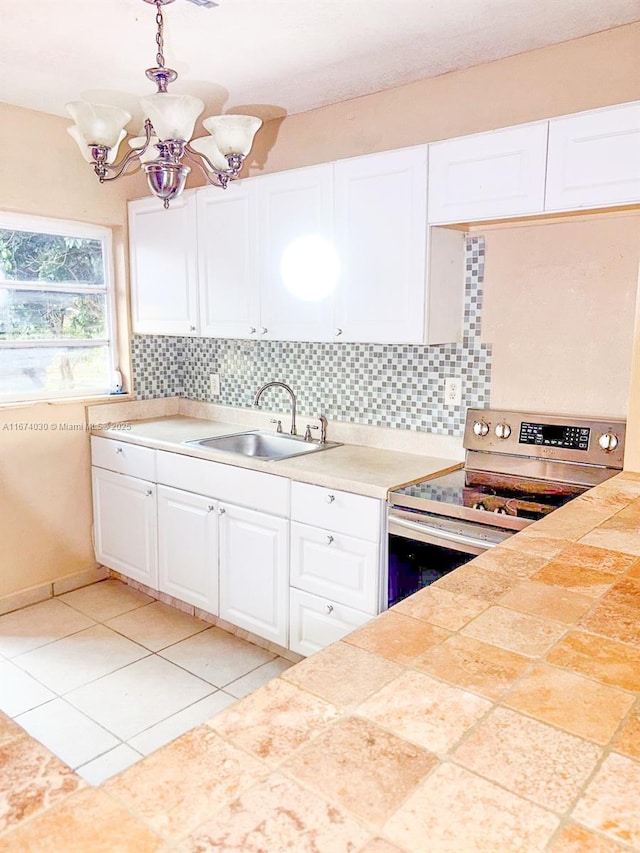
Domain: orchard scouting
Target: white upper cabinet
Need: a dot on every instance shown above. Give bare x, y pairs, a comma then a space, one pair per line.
227, 263
488, 175
163, 262
594, 158
381, 229
292, 206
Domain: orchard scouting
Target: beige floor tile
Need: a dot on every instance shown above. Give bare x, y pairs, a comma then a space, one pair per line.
576, 839
573, 521
529, 758
610, 802
397, 638
70, 735
81, 658
191, 779
442, 608
367, 771
515, 564
614, 621
324, 674
539, 546
571, 702
628, 739
474, 665
273, 722
216, 656
518, 632
541, 599
596, 559
575, 577
455, 811
626, 539
278, 815
105, 766
179, 723
31, 780
477, 582
88, 821
138, 696
424, 711
241, 687
20, 692
156, 626
597, 657
42, 623
105, 600
9, 730
625, 593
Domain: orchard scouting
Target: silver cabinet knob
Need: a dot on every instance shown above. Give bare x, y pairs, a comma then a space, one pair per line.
252, 330
338, 332
503, 430
118, 450
329, 608
329, 539
149, 492
330, 499
221, 510
210, 508
192, 328
608, 441
264, 330
480, 428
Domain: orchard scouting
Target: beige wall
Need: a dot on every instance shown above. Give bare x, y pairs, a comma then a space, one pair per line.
44, 479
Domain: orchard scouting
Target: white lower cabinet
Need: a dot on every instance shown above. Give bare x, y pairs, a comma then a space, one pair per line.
316, 622
125, 524
188, 547
254, 572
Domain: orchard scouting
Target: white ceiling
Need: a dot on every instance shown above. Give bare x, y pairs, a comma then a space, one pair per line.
274, 56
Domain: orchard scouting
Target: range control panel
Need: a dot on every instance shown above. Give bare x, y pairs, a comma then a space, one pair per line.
593, 441
555, 435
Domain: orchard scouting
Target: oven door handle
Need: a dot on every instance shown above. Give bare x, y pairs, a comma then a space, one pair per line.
460, 538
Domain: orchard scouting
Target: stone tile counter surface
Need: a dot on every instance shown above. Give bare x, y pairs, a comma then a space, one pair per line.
497, 710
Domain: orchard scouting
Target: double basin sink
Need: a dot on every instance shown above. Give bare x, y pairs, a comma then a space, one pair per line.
259, 444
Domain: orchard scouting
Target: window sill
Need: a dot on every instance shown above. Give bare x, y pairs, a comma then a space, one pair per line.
69, 401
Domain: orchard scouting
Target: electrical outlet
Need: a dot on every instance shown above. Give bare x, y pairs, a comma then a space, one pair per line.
214, 384
453, 391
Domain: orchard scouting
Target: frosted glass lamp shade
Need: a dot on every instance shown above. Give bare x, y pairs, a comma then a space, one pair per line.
85, 149
206, 145
98, 124
233, 134
172, 116
151, 153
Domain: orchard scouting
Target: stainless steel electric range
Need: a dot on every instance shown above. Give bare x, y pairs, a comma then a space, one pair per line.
519, 467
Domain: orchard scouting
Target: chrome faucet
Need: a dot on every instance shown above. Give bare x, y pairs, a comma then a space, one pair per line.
260, 392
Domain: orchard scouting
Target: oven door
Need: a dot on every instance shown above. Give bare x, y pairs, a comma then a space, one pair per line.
424, 547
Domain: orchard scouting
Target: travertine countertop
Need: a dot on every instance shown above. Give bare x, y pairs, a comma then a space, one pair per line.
368, 471
497, 710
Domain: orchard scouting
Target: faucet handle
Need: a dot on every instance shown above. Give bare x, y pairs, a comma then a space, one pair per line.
307, 432
276, 421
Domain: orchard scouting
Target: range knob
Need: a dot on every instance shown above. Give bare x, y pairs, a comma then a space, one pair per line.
478, 506
503, 430
608, 441
480, 428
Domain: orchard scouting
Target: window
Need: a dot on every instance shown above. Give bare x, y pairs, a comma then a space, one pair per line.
56, 309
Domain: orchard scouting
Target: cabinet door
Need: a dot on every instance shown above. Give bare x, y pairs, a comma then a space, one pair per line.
381, 230
338, 567
293, 205
254, 572
188, 547
594, 158
162, 257
316, 622
486, 175
125, 524
227, 273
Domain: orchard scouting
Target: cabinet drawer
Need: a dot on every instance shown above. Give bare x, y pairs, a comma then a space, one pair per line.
123, 458
241, 486
338, 567
341, 512
317, 622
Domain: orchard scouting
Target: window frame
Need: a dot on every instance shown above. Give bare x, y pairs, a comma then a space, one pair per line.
65, 228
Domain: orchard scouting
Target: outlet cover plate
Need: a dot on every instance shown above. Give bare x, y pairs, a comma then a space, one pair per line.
453, 391
214, 384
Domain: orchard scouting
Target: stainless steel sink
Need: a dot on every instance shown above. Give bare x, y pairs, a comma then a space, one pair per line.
260, 444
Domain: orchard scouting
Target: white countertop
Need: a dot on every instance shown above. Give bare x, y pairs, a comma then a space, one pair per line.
355, 468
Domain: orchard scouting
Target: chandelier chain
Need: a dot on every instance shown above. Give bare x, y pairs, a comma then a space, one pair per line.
159, 39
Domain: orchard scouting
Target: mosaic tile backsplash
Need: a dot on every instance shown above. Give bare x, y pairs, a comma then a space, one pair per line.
390, 385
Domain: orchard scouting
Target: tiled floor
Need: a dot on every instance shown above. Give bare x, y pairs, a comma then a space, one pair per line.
105, 675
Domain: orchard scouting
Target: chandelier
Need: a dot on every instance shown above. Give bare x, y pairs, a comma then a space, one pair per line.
169, 122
